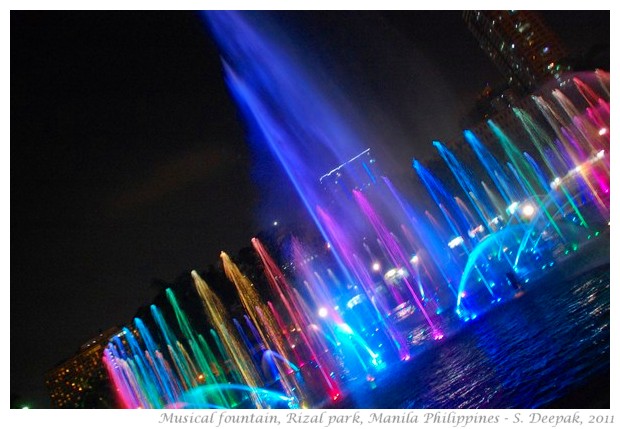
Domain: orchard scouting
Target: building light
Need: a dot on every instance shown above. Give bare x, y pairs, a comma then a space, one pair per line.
357, 299
391, 273
456, 241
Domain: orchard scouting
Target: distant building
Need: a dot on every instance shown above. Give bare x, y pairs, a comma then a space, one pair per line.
526, 51
82, 381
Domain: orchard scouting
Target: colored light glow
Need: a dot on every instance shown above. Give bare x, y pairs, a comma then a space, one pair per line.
376, 266
512, 208
528, 210
479, 229
456, 241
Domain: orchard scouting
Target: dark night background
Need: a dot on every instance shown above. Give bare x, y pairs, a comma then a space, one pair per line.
129, 161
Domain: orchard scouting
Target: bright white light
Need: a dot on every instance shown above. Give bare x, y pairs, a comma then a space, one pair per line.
390, 273
600, 155
376, 266
556, 182
345, 328
476, 230
323, 312
512, 208
456, 241
528, 210
602, 131
275, 223
357, 299
414, 259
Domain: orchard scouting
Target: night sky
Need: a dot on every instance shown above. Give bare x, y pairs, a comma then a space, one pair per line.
129, 161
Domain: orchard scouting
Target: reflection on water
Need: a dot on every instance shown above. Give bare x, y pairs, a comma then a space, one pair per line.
526, 353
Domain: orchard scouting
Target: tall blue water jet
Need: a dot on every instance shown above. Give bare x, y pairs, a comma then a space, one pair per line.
445, 201
285, 108
544, 181
467, 184
493, 168
431, 243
